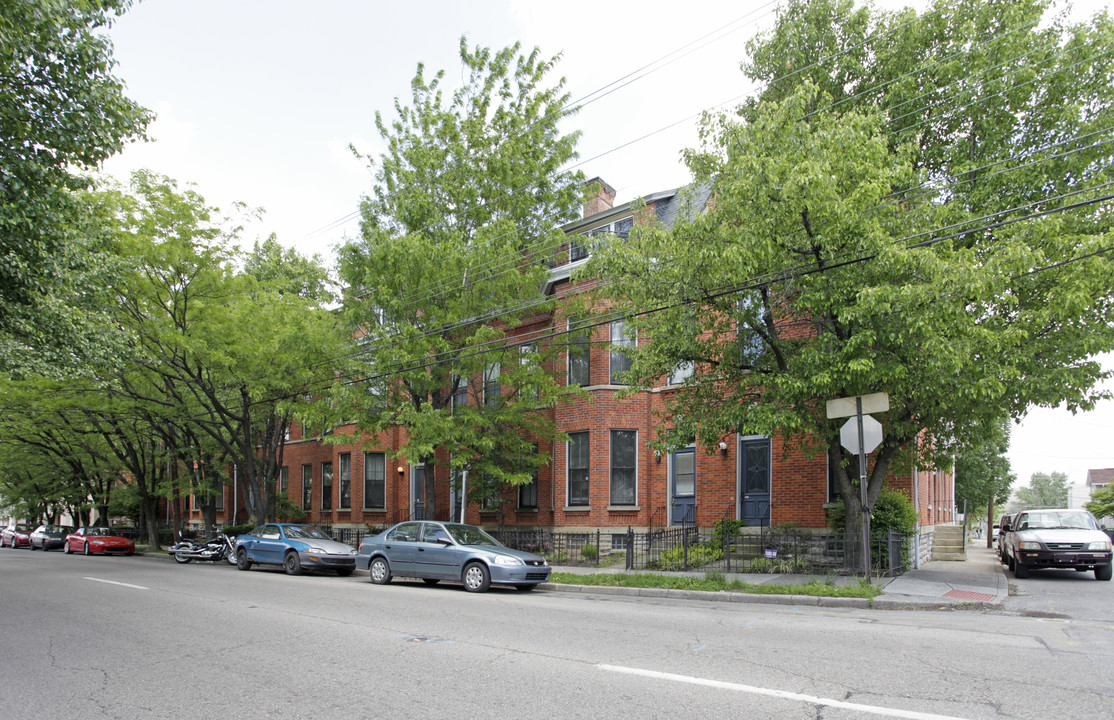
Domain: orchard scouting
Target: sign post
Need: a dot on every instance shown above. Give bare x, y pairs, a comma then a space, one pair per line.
861, 434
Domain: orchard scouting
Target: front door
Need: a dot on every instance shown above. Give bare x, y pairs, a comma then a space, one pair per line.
755, 481
682, 482
417, 492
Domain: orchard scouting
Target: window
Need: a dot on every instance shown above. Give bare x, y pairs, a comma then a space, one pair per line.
528, 493
491, 383
581, 246
750, 342
527, 358
345, 481
460, 394
684, 472
681, 373
326, 486
579, 368
623, 473
220, 500
375, 480
578, 468
622, 338
307, 487
284, 480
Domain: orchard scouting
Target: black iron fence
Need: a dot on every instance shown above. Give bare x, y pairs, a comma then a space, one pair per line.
770, 550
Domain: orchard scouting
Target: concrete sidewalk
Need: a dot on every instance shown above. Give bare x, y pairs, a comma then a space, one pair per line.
977, 582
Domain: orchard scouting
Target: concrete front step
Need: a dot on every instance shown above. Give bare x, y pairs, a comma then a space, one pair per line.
958, 556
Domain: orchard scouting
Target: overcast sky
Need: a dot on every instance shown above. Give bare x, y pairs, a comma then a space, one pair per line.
258, 101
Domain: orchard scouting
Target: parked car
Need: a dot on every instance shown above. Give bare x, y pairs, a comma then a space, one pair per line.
435, 551
296, 548
16, 535
98, 540
49, 536
1066, 538
1003, 531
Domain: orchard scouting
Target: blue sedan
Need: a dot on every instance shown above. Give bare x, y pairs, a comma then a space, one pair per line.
296, 548
435, 551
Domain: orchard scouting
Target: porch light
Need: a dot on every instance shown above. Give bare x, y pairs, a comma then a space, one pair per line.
722, 448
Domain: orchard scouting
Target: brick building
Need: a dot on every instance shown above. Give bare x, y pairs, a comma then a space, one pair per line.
604, 477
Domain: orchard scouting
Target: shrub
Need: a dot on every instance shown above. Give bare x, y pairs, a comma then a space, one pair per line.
588, 552
234, 530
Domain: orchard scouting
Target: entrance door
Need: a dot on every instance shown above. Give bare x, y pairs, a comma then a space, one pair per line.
755, 481
682, 481
417, 492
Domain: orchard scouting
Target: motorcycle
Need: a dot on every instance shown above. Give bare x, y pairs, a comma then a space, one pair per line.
214, 550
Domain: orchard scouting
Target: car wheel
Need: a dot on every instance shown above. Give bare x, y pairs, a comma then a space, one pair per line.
181, 557
31, 545
476, 577
1102, 572
66, 549
431, 581
1020, 570
525, 588
1009, 562
345, 572
380, 571
242, 561
86, 549
292, 563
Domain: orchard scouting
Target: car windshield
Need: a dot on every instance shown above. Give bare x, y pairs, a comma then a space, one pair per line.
469, 535
23, 528
1056, 520
107, 532
303, 532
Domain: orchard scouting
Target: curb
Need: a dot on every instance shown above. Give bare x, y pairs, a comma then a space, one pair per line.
714, 596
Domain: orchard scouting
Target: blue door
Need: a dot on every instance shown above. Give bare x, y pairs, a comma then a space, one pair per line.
755, 481
682, 485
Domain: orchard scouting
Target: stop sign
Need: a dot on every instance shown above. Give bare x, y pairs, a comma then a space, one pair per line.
872, 434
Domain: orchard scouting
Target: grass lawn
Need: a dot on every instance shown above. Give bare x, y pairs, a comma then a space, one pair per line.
716, 582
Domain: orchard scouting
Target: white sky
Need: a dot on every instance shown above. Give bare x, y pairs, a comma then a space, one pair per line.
258, 100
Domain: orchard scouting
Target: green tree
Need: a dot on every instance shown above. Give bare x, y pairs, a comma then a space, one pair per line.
467, 205
222, 353
1101, 504
62, 112
982, 475
1044, 491
851, 247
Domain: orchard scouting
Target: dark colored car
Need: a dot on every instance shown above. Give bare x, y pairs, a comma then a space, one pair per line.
46, 537
1066, 538
435, 551
98, 540
16, 535
296, 547
1003, 535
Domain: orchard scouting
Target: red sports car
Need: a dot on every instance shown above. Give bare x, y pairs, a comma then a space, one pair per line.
16, 535
98, 541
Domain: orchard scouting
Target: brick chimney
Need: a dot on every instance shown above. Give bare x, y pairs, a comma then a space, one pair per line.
602, 197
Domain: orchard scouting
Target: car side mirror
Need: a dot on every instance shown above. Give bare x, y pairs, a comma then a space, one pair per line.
445, 540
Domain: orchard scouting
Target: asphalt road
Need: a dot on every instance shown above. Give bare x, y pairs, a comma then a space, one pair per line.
93, 638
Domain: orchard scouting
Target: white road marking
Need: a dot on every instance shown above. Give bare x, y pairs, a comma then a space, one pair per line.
811, 699
113, 582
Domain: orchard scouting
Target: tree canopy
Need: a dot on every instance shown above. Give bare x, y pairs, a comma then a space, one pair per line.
468, 201
62, 112
1043, 491
914, 204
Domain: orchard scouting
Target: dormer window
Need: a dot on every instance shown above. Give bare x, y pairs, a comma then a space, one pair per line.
581, 246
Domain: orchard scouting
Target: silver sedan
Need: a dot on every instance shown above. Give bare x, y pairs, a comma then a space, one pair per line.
435, 551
